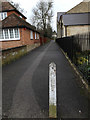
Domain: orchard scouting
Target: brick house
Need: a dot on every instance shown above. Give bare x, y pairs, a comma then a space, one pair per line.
15, 31
75, 21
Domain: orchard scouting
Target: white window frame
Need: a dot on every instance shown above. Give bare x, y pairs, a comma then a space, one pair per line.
9, 39
13, 34
18, 33
31, 35
3, 14
2, 34
7, 34
37, 36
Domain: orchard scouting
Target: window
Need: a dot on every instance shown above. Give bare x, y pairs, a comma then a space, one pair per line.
9, 34
6, 33
1, 34
35, 35
31, 35
16, 33
3, 15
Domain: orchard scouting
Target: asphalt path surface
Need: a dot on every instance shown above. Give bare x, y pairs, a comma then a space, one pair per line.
25, 86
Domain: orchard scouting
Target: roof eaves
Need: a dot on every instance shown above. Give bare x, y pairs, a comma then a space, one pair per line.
14, 27
17, 10
24, 23
21, 26
20, 13
77, 25
32, 29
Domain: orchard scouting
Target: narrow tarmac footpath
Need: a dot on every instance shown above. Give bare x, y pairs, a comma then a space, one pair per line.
25, 86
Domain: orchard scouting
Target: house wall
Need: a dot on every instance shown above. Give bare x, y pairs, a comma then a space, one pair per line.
13, 49
24, 40
37, 40
73, 30
10, 44
11, 12
25, 37
58, 31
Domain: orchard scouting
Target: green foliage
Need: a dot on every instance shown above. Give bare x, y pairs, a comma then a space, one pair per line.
82, 62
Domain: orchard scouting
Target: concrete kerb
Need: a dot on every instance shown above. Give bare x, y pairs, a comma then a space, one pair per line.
77, 72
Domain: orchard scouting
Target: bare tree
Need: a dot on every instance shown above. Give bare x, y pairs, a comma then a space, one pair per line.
42, 14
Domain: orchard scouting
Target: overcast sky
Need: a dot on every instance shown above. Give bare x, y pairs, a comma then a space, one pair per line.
58, 6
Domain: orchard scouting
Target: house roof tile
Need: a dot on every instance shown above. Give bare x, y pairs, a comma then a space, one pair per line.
13, 21
76, 19
7, 6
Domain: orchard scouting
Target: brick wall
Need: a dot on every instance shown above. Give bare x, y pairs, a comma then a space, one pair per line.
11, 12
25, 37
10, 44
24, 40
36, 40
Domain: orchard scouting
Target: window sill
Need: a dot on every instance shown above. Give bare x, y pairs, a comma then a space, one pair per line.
9, 39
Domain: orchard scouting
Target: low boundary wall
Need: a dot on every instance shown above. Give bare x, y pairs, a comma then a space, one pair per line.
12, 54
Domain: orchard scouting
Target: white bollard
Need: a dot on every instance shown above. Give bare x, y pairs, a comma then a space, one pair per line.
52, 91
